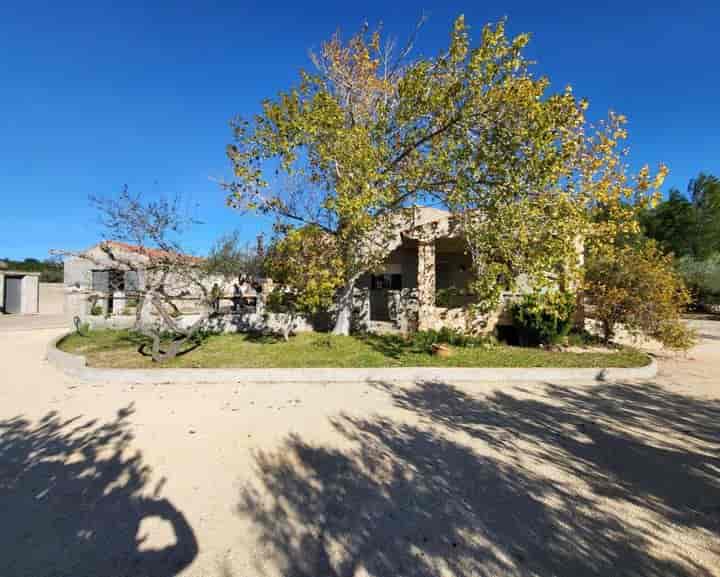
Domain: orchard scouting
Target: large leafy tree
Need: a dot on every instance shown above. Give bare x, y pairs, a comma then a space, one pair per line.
368, 134
346, 145
534, 184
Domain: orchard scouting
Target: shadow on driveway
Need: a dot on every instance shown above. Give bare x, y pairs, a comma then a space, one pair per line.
72, 498
416, 499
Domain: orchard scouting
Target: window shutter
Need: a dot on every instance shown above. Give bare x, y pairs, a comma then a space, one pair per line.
131, 281
100, 281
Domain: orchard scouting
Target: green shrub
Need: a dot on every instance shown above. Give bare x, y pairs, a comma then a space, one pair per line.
424, 340
543, 318
279, 301
638, 288
96, 310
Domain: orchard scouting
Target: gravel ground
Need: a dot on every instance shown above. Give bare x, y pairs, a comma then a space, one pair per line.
383, 480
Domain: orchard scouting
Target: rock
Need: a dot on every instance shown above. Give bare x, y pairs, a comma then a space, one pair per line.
442, 351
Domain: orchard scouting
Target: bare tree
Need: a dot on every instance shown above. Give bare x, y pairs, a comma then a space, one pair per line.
165, 273
229, 255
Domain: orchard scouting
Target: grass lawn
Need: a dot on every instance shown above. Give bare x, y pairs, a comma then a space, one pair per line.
124, 349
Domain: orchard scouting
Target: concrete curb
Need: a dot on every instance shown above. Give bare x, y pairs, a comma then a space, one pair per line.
63, 360
76, 366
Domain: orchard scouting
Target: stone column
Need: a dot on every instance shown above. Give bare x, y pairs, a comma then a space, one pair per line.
426, 284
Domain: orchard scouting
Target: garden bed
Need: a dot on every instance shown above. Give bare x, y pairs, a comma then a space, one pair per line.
125, 349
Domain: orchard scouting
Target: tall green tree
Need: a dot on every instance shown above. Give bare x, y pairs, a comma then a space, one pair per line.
372, 132
368, 134
704, 190
349, 147
688, 225
673, 224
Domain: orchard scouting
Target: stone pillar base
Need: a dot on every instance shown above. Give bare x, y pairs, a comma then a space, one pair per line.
426, 285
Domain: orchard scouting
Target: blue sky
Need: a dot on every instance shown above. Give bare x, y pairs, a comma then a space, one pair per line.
95, 95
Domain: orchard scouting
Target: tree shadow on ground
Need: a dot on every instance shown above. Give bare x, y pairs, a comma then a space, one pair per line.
143, 343
145, 349
73, 497
391, 345
640, 443
416, 499
262, 337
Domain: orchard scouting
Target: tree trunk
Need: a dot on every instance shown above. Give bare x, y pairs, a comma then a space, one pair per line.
155, 331
143, 316
608, 331
286, 327
344, 309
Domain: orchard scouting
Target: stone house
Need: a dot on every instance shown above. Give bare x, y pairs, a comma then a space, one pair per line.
424, 281
92, 279
422, 284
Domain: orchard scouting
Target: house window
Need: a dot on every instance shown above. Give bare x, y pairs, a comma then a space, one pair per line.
107, 281
386, 282
117, 280
442, 274
100, 281
131, 281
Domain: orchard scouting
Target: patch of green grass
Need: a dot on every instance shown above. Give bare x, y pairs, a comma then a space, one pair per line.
125, 349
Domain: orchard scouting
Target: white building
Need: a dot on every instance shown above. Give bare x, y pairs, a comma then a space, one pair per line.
19, 292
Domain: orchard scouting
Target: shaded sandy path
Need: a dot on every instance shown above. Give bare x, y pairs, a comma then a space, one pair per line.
354, 480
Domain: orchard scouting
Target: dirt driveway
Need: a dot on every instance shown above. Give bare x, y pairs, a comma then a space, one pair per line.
428, 479
13, 323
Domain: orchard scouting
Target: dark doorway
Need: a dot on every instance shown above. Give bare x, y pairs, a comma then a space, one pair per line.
379, 286
12, 297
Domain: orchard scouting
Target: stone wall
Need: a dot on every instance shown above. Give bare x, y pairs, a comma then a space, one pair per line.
462, 319
227, 323
438, 317
407, 312
361, 308
252, 323
115, 323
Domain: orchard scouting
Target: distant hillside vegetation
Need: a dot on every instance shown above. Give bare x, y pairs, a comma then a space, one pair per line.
51, 270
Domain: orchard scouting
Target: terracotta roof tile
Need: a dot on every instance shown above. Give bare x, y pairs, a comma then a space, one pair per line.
150, 252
